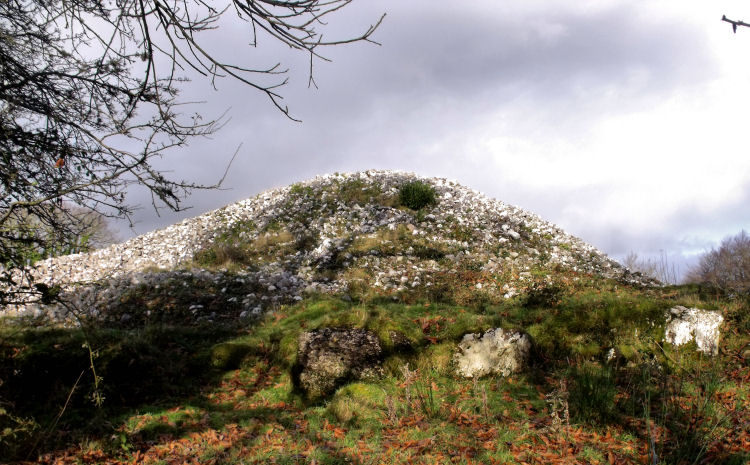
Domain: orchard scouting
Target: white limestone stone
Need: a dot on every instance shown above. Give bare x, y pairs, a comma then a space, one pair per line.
496, 351
687, 324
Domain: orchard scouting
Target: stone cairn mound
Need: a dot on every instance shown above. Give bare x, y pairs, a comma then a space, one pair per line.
326, 235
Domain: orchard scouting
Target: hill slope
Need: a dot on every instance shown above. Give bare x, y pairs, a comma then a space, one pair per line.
345, 233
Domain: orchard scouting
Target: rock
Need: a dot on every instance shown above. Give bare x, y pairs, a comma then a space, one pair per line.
687, 324
329, 357
496, 351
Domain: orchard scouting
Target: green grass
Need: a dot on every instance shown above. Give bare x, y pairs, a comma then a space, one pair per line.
223, 393
356, 191
400, 241
592, 393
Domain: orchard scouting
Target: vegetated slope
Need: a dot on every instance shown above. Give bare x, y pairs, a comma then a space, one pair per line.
188, 373
341, 233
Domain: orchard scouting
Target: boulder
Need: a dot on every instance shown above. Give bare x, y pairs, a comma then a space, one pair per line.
687, 324
330, 357
496, 351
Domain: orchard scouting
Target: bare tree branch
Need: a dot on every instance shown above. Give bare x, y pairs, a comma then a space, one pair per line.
734, 23
89, 98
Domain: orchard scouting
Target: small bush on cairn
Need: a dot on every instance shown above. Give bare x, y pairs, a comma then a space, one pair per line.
417, 195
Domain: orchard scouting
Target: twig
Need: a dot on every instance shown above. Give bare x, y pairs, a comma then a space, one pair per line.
734, 23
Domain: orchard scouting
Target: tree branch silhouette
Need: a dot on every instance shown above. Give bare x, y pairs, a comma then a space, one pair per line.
734, 23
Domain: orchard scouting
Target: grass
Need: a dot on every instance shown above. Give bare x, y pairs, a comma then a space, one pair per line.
222, 394
357, 191
230, 251
387, 242
592, 393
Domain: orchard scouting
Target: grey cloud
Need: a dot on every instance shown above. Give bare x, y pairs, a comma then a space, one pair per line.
429, 52
443, 69
716, 223
438, 72
685, 235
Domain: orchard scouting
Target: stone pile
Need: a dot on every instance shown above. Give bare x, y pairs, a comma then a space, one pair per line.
315, 235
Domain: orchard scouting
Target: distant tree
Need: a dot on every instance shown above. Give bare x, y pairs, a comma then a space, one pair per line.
660, 269
726, 268
80, 230
89, 97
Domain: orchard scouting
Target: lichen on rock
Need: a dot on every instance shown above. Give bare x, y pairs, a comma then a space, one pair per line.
329, 357
496, 351
688, 324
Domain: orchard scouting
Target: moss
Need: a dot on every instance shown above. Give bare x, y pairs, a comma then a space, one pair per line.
227, 355
358, 403
436, 359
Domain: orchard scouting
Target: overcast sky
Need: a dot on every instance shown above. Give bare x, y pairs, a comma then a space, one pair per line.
624, 122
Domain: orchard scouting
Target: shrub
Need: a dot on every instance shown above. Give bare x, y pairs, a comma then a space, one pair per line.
679, 395
726, 268
15, 433
417, 195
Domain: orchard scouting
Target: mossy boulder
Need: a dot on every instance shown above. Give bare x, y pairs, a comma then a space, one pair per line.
329, 357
